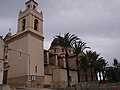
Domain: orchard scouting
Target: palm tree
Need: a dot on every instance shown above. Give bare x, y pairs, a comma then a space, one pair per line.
78, 48
66, 42
115, 63
94, 63
100, 67
103, 63
84, 64
92, 56
91, 61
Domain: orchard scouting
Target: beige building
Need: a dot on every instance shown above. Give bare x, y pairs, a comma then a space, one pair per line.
3, 62
30, 64
26, 48
1, 59
1, 48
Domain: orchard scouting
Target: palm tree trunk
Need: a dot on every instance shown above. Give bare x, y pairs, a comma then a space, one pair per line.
103, 73
67, 66
86, 76
78, 71
96, 75
91, 69
100, 76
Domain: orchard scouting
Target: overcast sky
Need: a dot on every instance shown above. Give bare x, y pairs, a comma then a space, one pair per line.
96, 22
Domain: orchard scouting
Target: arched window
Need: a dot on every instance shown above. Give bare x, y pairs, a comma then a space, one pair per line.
23, 24
34, 7
28, 6
35, 69
36, 24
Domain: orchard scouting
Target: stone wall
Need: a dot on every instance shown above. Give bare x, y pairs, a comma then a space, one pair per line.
97, 86
4, 87
26, 81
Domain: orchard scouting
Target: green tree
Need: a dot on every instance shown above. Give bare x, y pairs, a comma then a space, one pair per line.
113, 73
115, 63
96, 63
77, 49
103, 64
92, 57
66, 42
84, 65
101, 67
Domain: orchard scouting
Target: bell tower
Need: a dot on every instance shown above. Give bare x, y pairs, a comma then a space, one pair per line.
30, 18
26, 56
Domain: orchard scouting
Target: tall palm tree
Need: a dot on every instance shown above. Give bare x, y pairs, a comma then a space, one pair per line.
84, 64
115, 63
103, 63
93, 57
100, 67
94, 63
91, 61
66, 42
78, 48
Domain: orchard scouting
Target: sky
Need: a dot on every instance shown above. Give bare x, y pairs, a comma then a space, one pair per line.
96, 22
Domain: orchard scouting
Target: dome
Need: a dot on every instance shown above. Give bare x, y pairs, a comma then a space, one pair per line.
54, 42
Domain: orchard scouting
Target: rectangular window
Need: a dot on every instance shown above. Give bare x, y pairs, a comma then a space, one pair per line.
35, 69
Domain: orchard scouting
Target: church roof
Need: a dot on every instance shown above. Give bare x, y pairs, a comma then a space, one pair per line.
54, 42
8, 36
30, 1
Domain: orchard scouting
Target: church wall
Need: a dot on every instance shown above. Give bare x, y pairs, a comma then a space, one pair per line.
18, 64
60, 77
30, 16
26, 56
1, 48
63, 75
1, 57
35, 49
56, 77
73, 77
48, 80
72, 62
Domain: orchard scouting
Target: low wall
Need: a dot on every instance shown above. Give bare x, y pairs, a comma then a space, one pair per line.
110, 86
80, 86
4, 87
88, 86
97, 86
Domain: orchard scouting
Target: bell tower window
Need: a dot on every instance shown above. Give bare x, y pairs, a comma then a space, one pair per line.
28, 6
34, 7
23, 24
36, 24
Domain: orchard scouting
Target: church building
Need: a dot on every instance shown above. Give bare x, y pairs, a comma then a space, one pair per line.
30, 64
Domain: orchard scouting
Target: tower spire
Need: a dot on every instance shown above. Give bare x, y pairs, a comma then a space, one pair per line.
30, 19
31, 4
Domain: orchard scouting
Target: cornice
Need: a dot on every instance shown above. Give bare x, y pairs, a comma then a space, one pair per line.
23, 34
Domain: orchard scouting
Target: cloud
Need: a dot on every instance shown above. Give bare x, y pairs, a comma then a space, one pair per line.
96, 22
